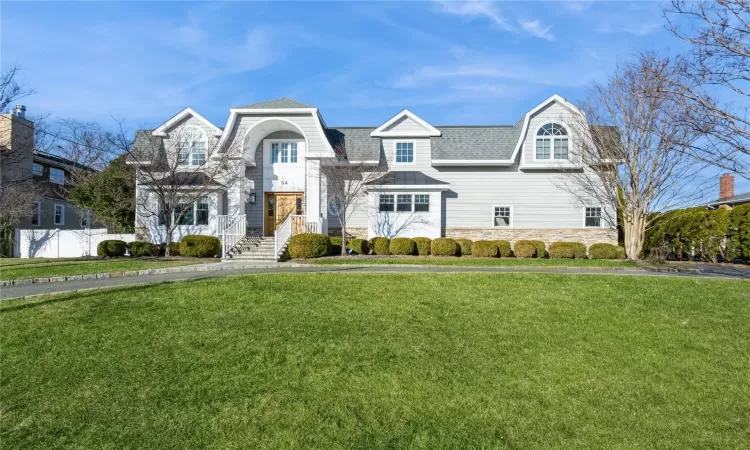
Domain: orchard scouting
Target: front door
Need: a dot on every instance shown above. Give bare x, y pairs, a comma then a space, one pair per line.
278, 206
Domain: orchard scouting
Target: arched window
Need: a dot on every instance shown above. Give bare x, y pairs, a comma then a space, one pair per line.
551, 142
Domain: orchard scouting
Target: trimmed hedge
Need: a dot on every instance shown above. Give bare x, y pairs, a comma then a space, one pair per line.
309, 245
143, 248
530, 249
174, 249
335, 245
381, 245
504, 248
359, 246
445, 247
423, 245
485, 249
606, 251
403, 246
738, 233
111, 248
200, 246
465, 246
570, 250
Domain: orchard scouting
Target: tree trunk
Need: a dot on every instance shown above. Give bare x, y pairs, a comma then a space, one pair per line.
634, 225
343, 239
170, 232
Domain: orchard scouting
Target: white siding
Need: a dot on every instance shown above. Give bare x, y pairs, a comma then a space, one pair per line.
307, 124
422, 154
407, 126
555, 112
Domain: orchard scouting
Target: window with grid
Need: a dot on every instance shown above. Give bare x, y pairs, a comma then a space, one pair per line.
201, 212
274, 153
593, 216
183, 214
199, 153
37, 212
37, 169
404, 152
56, 176
59, 215
299, 206
184, 155
421, 203
284, 153
293, 152
501, 216
403, 203
554, 137
386, 203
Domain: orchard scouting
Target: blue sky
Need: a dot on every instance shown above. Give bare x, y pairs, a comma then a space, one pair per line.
359, 62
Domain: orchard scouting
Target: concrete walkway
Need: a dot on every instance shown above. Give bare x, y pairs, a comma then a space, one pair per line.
226, 269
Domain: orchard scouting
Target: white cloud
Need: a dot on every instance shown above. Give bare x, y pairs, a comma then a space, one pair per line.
475, 8
535, 28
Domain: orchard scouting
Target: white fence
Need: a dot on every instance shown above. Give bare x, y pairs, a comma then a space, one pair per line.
36, 243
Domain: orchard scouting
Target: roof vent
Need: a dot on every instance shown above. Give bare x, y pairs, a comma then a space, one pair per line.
20, 111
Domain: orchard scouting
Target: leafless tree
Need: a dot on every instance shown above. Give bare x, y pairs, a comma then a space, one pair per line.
175, 173
716, 78
632, 141
392, 223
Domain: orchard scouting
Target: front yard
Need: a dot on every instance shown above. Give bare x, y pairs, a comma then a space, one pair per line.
18, 269
382, 361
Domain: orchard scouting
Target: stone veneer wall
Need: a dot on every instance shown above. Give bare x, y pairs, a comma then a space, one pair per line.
360, 233
587, 236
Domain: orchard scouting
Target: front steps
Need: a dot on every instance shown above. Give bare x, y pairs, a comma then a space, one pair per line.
253, 248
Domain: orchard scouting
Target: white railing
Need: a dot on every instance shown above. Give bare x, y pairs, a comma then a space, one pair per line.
232, 229
283, 234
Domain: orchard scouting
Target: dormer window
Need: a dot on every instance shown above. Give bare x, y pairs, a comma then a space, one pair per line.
404, 153
551, 142
192, 152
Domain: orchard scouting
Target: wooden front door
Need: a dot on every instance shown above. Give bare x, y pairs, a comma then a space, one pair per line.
278, 206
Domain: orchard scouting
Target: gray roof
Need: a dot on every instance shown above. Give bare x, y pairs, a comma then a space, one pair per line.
355, 143
146, 147
739, 198
468, 142
406, 178
276, 104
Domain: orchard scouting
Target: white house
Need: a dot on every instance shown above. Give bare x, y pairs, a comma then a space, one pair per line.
479, 182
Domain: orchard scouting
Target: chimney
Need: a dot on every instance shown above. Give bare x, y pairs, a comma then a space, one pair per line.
20, 111
726, 186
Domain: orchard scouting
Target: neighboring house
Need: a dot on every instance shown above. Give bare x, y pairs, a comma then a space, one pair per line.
477, 182
727, 199
50, 173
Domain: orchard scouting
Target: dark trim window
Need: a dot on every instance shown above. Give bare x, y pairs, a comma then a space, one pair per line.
421, 203
59, 214
183, 214
201, 212
299, 207
403, 202
37, 212
386, 203
501, 216
56, 176
593, 217
404, 152
270, 206
37, 169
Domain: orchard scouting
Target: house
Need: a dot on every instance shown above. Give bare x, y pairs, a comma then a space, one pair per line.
49, 173
727, 199
477, 182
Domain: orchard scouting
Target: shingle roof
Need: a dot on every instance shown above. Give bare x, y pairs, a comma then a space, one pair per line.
355, 143
406, 178
146, 147
739, 198
462, 142
276, 104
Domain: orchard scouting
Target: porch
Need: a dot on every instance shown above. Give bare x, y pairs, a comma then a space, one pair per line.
238, 241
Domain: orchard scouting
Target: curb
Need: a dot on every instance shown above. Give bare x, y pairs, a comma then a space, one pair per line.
213, 267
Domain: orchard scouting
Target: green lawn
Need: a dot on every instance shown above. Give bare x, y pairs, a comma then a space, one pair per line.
382, 361
16, 269
470, 261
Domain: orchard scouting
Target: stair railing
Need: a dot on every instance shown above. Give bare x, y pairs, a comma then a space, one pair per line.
231, 229
283, 234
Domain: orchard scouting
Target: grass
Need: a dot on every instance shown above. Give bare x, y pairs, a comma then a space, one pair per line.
17, 269
382, 361
471, 261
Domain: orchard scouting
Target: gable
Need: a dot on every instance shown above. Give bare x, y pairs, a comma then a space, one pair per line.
183, 116
405, 124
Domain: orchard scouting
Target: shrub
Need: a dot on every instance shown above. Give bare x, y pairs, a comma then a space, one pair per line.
309, 245
423, 245
606, 251
504, 248
687, 232
572, 250
174, 249
200, 246
143, 248
359, 246
530, 249
335, 245
485, 249
444, 247
738, 234
465, 246
381, 245
402, 246
111, 248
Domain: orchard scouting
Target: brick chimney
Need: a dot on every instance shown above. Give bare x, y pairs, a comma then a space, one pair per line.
726, 186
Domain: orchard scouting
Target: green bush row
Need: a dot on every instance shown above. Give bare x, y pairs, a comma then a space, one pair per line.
309, 245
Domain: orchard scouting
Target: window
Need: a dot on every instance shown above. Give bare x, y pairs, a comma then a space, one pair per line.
199, 153
421, 203
183, 214
403, 203
386, 203
284, 153
551, 136
270, 206
201, 212
404, 152
85, 218
299, 207
501, 216
184, 157
36, 169
293, 149
56, 176
593, 217
59, 214
35, 219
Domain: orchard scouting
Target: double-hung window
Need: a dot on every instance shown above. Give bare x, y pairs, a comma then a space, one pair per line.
593, 218
404, 152
183, 214
421, 203
403, 202
59, 214
284, 153
36, 219
56, 176
386, 203
551, 142
37, 169
201, 212
199, 153
184, 155
501, 216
